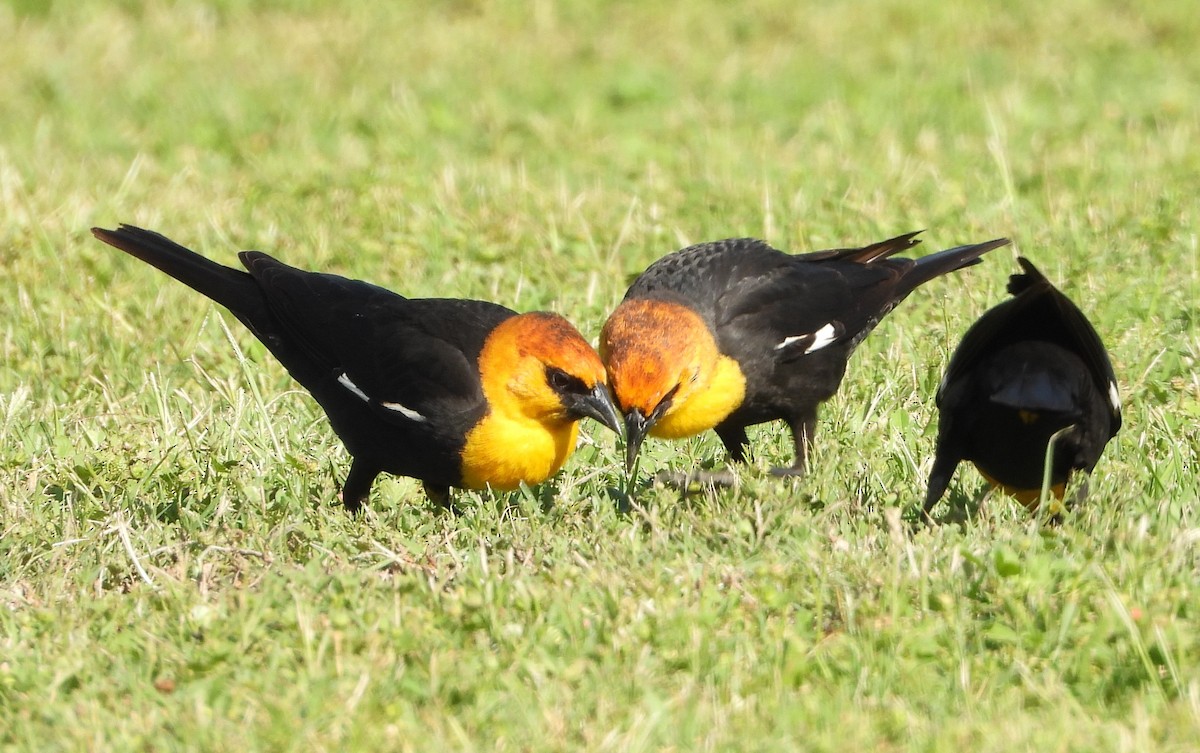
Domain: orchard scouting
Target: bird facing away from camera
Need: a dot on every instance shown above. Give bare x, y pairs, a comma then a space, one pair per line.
1030, 368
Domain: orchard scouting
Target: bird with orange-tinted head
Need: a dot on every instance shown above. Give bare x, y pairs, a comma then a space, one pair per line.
734, 333
456, 393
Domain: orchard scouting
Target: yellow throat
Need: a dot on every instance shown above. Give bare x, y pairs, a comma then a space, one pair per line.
526, 435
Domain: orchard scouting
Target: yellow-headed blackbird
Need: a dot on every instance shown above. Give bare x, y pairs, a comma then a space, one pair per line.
734, 333
1029, 368
452, 392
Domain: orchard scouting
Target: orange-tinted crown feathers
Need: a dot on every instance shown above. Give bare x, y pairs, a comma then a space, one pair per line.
544, 339
650, 347
654, 349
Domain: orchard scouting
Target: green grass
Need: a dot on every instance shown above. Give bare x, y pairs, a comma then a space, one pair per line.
175, 575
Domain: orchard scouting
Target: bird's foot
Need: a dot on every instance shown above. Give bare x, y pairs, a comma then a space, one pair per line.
353, 505
697, 481
440, 497
790, 471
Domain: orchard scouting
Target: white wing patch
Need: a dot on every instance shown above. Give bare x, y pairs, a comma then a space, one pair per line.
404, 410
344, 380
822, 337
1114, 398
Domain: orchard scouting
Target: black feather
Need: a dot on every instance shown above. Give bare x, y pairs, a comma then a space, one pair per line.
1027, 369
418, 353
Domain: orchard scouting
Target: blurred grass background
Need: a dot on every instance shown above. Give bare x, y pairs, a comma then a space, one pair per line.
174, 573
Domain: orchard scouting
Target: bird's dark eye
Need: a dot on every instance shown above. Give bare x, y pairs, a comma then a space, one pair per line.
562, 382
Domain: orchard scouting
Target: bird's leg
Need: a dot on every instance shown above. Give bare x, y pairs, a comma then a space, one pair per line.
939, 479
439, 495
735, 440
804, 428
1081, 491
358, 485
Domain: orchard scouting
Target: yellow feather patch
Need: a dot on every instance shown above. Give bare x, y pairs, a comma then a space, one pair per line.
502, 452
526, 435
1027, 497
705, 408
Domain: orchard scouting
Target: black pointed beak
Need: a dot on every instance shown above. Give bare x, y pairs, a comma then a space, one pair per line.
598, 404
636, 427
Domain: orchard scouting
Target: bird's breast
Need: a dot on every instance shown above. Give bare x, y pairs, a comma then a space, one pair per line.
501, 451
1030, 498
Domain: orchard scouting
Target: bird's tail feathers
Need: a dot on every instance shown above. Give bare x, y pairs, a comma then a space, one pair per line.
950, 260
884, 249
866, 254
1020, 282
232, 288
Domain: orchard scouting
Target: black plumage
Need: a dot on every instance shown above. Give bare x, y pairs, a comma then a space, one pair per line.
1029, 368
400, 379
783, 327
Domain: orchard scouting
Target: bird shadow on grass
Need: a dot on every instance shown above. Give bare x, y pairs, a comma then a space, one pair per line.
960, 509
697, 486
624, 498
543, 497
963, 509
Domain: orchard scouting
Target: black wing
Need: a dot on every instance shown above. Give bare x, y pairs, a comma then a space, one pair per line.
1087, 342
797, 304
799, 308
746, 289
406, 358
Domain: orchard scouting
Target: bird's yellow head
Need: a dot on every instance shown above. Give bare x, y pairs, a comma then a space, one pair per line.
538, 365
540, 377
666, 371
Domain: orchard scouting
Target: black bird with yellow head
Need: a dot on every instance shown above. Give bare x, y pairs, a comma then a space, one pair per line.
455, 393
734, 333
